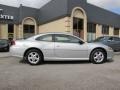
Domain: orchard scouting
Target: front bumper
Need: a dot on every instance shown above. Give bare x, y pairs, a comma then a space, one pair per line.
110, 54
4, 48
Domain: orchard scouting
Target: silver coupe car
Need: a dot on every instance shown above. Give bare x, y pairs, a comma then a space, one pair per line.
59, 46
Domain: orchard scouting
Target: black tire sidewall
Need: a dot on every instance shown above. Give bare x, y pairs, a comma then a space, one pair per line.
92, 58
39, 53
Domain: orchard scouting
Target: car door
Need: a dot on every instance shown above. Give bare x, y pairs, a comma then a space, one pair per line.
116, 45
70, 47
109, 41
47, 45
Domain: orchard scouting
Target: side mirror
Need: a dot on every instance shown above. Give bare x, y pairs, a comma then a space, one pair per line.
81, 42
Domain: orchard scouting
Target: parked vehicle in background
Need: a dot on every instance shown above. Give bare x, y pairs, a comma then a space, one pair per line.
4, 45
111, 41
59, 46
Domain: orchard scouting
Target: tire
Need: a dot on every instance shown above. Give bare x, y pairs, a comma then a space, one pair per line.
34, 57
98, 56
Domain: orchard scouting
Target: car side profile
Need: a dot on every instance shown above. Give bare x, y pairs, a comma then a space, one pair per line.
111, 41
59, 46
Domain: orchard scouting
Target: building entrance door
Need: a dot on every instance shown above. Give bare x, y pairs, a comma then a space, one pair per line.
10, 31
28, 30
78, 27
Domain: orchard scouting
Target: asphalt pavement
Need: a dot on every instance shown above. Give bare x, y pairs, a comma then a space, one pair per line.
5, 54
15, 74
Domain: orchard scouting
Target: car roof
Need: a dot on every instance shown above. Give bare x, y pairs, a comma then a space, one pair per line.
52, 33
56, 33
109, 36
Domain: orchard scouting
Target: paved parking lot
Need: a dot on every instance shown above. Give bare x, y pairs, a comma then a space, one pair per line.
81, 75
5, 54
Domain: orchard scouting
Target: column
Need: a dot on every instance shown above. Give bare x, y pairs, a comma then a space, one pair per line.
111, 31
15, 32
0, 30
98, 30
67, 25
4, 31
119, 32
19, 32
85, 29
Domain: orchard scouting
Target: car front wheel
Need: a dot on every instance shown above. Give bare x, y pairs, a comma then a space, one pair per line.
98, 56
34, 57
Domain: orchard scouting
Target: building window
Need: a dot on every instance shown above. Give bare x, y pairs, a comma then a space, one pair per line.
78, 27
116, 32
77, 23
105, 30
91, 29
29, 30
10, 31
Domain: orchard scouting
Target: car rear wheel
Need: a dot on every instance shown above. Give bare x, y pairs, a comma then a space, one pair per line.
98, 56
34, 57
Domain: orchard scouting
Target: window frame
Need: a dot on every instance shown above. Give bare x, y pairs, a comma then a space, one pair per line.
29, 29
116, 31
105, 29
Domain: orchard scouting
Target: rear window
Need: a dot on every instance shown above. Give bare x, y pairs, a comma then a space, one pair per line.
47, 38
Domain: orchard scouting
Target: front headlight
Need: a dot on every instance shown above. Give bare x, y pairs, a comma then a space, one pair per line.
109, 48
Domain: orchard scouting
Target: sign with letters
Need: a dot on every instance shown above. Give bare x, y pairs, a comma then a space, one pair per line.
5, 17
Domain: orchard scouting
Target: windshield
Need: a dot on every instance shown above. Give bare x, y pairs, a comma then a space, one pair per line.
2, 42
99, 39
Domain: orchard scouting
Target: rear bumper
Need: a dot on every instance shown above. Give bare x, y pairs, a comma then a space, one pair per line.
16, 51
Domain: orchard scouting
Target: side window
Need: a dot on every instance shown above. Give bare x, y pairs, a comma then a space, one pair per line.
47, 38
66, 39
61, 38
116, 39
